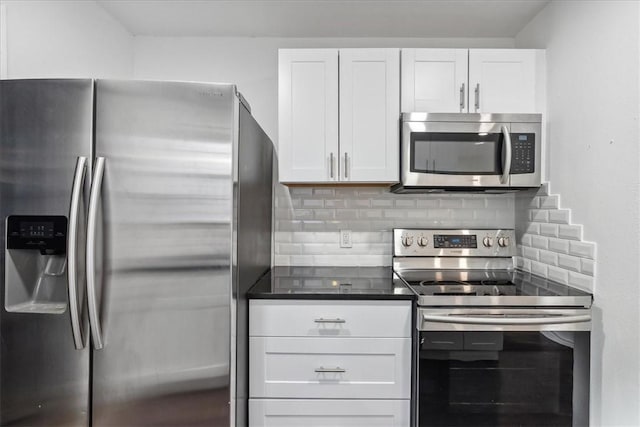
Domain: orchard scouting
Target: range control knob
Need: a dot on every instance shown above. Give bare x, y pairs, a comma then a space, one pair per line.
407, 241
487, 242
503, 242
423, 241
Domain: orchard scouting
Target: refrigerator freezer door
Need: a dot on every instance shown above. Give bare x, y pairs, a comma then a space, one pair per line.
163, 286
45, 125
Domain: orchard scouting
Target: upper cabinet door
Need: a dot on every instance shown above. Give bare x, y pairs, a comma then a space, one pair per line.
434, 80
369, 115
502, 81
308, 115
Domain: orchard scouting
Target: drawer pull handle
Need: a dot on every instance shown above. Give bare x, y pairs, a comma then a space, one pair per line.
321, 320
337, 370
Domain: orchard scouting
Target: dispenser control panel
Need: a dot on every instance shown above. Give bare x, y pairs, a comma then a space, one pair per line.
46, 233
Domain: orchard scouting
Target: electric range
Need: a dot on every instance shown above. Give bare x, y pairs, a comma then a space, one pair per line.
495, 346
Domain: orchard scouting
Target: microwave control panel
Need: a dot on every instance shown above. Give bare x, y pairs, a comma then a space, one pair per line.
523, 153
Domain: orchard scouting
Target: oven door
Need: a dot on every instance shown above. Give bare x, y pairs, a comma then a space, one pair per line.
449, 154
503, 367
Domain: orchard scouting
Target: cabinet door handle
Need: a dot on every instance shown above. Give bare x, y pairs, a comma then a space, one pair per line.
336, 320
462, 91
337, 370
477, 91
331, 164
346, 165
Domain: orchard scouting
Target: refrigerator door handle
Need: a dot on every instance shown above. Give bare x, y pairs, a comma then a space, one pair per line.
92, 219
72, 252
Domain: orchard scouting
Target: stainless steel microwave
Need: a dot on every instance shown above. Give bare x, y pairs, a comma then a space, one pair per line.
469, 152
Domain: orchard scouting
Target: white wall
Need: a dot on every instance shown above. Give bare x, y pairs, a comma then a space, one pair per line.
252, 63
593, 55
72, 39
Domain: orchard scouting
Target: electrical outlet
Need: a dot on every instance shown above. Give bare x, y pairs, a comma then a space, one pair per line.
345, 238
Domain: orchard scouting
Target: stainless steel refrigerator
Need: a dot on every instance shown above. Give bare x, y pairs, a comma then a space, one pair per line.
135, 217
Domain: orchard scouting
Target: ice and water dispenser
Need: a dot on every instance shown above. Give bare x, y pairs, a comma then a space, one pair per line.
36, 264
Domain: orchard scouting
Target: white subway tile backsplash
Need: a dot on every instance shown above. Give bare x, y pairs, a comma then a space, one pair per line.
535, 203
324, 214
416, 214
279, 259
544, 189
539, 242
474, 203
571, 232
539, 268
533, 228
588, 267
530, 253
560, 216
324, 192
550, 230
313, 203
581, 281
549, 258
370, 214
451, 203
569, 262
462, 214
582, 249
381, 203
300, 192
308, 220
558, 274
550, 202
539, 215
559, 245
335, 203
405, 203
428, 203
394, 214
301, 260
551, 245
358, 203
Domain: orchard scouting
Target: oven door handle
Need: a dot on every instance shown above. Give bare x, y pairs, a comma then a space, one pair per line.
506, 320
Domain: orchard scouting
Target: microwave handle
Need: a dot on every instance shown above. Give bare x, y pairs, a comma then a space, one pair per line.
506, 161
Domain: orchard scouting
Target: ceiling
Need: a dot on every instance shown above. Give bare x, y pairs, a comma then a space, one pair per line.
324, 18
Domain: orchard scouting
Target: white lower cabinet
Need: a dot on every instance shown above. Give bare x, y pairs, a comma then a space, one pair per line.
292, 367
329, 363
328, 413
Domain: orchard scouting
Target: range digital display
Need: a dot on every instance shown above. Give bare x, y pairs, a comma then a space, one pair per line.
466, 241
42, 230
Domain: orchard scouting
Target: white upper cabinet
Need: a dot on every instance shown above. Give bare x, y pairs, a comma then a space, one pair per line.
365, 148
472, 80
502, 81
369, 113
434, 80
308, 115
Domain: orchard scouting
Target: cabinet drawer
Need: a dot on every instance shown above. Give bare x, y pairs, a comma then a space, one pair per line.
295, 318
366, 368
328, 413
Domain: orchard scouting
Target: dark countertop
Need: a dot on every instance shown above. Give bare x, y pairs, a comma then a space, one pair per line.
339, 283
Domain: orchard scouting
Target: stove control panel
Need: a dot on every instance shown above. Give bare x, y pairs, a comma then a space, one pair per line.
450, 242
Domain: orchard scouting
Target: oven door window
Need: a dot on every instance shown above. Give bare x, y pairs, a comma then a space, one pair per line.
457, 153
498, 378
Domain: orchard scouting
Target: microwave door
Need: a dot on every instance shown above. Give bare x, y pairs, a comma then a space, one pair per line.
443, 154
